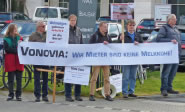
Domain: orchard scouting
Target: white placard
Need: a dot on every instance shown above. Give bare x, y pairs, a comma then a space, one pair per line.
77, 75
116, 80
57, 31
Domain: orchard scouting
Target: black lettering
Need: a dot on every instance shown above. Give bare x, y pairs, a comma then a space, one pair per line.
46, 53
39, 52
24, 52
61, 53
52, 53
32, 52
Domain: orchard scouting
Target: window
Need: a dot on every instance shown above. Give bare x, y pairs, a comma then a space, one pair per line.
46, 12
5, 17
113, 29
64, 3
64, 13
176, 1
147, 23
180, 14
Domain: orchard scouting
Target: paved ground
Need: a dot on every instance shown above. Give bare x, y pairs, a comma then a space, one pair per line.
173, 103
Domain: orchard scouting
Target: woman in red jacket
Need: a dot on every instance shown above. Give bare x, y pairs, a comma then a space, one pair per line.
12, 65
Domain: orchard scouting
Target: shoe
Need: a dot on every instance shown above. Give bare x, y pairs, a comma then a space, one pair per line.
78, 98
108, 98
91, 98
45, 99
125, 96
69, 99
37, 99
132, 95
18, 98
10, 98
173, 91
164, 93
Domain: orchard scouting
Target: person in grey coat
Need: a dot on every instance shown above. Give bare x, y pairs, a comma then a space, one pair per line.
169, 33
75, 37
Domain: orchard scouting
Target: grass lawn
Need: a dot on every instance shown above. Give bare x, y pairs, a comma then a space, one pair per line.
151, 86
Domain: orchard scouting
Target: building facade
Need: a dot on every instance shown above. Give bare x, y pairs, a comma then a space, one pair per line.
143, 8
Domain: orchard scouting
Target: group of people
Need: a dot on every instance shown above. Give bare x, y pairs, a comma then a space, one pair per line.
167, 33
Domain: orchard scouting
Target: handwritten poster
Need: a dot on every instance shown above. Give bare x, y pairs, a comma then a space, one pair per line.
57, 31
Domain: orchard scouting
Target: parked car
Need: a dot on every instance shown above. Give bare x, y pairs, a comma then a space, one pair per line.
9, 17
145, 27
114, 30
44, 13
153, 36
25, 29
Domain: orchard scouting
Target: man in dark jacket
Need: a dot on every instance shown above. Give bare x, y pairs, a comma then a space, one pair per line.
75, 37
169, 33
100, 37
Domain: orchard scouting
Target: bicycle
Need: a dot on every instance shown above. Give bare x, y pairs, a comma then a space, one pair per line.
26, 77
141, 74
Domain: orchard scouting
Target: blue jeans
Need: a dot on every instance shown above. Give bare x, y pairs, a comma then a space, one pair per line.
68, 87
168, 74
129, 77
37, 84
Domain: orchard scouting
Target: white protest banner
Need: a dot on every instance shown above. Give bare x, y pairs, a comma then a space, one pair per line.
77, 75
57, 31
116, 80
122, 11
97, 54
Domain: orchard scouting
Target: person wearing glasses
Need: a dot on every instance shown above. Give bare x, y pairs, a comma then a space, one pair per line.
129, 71
12, 65
40, 36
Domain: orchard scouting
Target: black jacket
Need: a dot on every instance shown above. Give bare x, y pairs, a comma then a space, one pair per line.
128, 39
97, 37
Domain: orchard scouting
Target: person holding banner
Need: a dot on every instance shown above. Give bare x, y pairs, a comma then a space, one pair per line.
12, 65
75, 37
129, 71
40, 36
169, 33
100, 36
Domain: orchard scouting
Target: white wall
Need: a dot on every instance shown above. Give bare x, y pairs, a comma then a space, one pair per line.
54, 3
145, 9
142, 10
31, 5
104, 8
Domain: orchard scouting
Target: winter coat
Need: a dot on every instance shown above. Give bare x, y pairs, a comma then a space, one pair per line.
11, 56
97, 37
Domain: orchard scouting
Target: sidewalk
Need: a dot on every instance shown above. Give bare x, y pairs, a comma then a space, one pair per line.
157, 103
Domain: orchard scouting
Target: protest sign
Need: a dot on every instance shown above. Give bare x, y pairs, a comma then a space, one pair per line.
77, 75
57, 31
116, 80
97, 54
122, 11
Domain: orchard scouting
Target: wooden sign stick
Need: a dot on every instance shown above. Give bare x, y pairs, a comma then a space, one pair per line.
54, 83
123, 30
